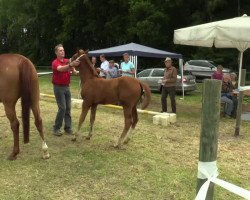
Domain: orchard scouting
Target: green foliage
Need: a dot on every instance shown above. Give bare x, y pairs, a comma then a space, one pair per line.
33, 27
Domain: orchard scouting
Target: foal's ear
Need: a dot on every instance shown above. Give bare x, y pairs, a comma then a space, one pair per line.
80, 52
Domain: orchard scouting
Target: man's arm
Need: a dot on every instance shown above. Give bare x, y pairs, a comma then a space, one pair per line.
67, 67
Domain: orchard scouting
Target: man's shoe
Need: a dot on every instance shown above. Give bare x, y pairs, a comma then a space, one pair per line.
227, 116
57, 133
69, 132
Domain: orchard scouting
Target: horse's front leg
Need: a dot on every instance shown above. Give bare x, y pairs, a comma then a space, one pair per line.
92, 120
85, 109
14, 123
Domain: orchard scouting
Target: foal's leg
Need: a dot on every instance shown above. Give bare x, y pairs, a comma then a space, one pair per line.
39, 125
128, 121
92, 120
85, 109
14, 123
134, 122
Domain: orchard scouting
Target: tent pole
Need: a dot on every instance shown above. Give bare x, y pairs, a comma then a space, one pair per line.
240, 67
241, 82
135, 66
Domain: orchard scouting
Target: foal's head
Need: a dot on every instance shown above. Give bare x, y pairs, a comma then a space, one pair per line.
85, 62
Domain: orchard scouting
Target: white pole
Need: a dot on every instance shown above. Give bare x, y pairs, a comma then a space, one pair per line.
240, 67
135, 66
181, 68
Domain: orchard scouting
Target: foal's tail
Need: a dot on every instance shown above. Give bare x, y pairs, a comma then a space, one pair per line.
146, 92
25, 91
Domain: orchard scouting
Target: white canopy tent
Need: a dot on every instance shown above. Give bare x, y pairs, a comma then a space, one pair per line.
230, 33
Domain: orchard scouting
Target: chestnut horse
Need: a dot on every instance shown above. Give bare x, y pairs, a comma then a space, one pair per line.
18, 78
126, 91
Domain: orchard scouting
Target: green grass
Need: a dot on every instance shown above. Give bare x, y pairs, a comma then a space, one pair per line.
159, 163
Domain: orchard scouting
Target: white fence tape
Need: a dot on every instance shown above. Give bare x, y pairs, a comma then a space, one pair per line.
209, 171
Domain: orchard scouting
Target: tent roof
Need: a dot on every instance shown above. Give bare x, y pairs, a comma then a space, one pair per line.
134, 50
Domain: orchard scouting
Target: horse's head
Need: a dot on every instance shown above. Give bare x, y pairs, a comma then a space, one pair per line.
82, 56
78, 55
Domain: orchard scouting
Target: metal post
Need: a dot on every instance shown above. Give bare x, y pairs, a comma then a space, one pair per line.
209, 127
239, 107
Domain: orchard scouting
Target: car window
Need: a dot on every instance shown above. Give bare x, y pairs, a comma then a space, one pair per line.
158, 73
144, 73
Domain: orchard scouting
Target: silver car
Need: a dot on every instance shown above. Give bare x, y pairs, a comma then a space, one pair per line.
202, 68
153, 78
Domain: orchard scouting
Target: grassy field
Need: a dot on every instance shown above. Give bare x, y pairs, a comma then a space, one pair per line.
159, 163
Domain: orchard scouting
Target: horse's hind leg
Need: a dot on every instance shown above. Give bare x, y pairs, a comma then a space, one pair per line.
85, 109
128, 121
39, 125
134, 122
92, 120
14, 123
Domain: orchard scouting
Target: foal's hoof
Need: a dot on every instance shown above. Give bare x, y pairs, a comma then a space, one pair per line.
116, 146
46, 156
73, 139
87, 137
126, 141
11, 157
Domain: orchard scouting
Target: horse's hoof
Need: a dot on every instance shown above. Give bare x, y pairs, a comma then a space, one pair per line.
117, 146
47, 156
73, 139
126, 141
87, 137
11, 157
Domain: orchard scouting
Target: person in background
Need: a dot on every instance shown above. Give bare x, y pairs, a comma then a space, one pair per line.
233, 77
61, 79
104, 66
228, 97
218, 74
93, 60
169, 84
112, 70
127, 67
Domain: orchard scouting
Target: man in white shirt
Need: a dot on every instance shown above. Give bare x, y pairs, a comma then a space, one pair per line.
104, 66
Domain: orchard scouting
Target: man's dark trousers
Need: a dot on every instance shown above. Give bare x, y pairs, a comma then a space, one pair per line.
164, 94
63, 100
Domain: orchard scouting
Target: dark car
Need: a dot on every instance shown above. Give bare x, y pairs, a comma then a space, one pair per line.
153, 78
202, 68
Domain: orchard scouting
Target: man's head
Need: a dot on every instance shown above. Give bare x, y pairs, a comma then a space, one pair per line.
93, 60
233, 76
111, 63
126, 57
168, 62
226, 78
102, 58
219, 68
59, 51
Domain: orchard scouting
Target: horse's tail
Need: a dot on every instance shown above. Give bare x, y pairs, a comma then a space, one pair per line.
146, 92
25, 90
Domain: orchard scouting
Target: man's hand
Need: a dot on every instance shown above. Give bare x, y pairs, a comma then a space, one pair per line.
74, 63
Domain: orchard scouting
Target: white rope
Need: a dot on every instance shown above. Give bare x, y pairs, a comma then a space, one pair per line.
209, 171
